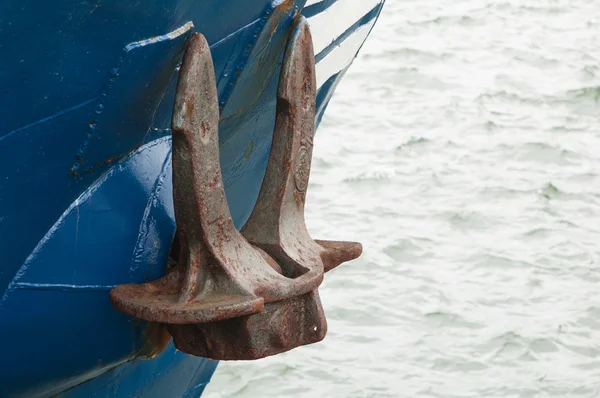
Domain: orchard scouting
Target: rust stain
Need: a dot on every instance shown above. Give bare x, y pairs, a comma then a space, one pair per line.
286, 6
189, 106
157, 340
249, 150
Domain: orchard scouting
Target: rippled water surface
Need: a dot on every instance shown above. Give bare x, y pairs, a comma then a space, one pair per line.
463, 150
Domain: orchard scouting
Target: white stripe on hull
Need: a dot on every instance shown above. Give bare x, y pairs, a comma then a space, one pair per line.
336, 19
342, 55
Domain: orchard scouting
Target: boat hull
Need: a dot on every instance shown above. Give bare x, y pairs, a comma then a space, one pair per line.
85, 183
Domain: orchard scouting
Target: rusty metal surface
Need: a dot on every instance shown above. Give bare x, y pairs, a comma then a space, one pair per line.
247, 295
281, 326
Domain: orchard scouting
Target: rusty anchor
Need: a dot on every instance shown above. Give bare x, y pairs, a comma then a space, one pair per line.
248, 295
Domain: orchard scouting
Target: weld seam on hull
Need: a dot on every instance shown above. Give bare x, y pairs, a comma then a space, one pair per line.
48, 118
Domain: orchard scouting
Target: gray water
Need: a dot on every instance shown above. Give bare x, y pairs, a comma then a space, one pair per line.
463, 150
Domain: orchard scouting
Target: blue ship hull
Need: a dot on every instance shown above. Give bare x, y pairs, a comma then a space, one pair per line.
86, 93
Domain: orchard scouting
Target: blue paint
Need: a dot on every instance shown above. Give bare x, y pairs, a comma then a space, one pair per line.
86, 93
129, 101
158, 378
325, 92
